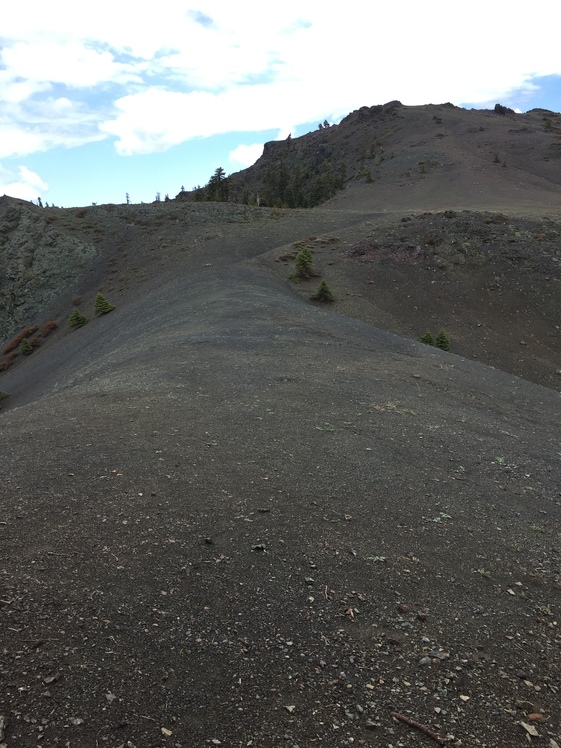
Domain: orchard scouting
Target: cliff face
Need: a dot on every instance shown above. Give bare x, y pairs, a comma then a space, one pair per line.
37, 263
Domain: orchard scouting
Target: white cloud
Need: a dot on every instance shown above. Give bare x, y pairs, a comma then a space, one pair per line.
14, 140
155, 120
47, 123
246, 155
151, 80
75, 64
24, 183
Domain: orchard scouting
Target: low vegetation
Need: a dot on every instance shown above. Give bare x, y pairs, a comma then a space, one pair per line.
427, 338
77, 319
14, 343
101, 305
323, 293
25, 347
441, 340
303, 263
25, 342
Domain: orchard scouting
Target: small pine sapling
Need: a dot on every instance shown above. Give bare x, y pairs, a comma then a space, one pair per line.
442, 341
427, 338
304, 263
323, 293
77, 319
25, 347
101, 305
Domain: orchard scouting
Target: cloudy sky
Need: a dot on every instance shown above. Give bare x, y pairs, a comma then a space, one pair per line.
103, 98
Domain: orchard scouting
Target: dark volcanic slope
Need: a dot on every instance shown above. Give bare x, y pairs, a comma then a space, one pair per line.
230, 517
491, 280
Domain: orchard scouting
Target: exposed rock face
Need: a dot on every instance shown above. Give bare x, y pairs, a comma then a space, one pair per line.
38, 262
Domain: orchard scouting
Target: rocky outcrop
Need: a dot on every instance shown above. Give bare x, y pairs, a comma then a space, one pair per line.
38, 262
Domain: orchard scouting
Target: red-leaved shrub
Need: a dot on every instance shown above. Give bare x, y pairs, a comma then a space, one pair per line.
49, 327
15, 341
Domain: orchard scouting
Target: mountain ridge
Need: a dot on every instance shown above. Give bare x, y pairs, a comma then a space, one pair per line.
232, 515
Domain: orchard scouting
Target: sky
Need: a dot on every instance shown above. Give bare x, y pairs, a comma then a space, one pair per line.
101, 99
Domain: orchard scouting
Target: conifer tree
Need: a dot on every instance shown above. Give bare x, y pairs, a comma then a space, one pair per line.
304, 263
323, 293
442, 341
427, 338
101, 305
77, 319
217, 187
25, 347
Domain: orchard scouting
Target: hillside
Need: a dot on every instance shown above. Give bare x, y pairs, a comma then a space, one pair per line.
233, 516
432, 157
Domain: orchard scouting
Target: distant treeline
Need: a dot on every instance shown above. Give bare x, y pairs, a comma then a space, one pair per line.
284, 186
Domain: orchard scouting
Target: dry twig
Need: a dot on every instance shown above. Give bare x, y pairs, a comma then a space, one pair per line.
422, 728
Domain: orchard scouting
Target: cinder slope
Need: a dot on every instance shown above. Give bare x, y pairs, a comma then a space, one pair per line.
230, 516
233, 516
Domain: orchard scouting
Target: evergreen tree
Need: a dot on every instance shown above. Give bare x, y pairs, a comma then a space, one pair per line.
25, 347
442, 341
427, 338
304, 263
217, 187
101, 305
76, 319
323, 293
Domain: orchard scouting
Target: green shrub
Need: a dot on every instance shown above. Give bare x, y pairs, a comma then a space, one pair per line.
3, 395
442, 341
77, 319
304, 263
15, 341
101, 305
25, 347
323, 293
427, 338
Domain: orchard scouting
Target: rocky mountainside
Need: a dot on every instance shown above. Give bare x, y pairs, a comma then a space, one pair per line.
381, 158
39, 261
234, 515
469, 240
408, 153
